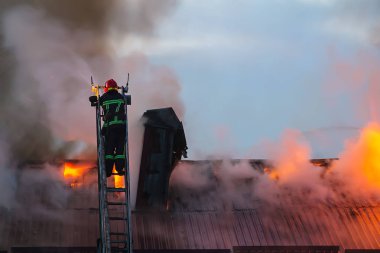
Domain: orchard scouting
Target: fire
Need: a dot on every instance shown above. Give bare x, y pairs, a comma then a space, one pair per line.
74, 172
370, 142
119, 180
360, 161
273, 175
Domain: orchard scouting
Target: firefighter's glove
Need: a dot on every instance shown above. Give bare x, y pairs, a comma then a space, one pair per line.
93, 100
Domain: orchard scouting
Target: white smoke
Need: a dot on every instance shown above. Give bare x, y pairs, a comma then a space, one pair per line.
285, 179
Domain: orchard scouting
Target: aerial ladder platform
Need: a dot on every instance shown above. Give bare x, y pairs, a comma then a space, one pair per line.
114, 202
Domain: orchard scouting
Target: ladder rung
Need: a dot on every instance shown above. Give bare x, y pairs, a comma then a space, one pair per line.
117, 218
119, 250
112, 189
117, 233
117, 174
116, 203
119, 242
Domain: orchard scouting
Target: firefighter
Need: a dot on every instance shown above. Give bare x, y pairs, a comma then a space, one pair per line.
113, 129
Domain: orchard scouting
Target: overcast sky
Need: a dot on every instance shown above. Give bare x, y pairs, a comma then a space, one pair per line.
250, 69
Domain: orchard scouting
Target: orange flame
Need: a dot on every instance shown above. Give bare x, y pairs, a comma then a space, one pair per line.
119, 180
370, 157
360, 161
273, 175
73, 173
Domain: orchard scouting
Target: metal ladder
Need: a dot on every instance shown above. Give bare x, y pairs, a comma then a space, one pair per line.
114, 203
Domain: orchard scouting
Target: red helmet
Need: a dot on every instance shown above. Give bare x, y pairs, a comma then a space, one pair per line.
110, 84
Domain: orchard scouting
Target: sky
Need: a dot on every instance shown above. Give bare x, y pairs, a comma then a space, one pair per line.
250, 69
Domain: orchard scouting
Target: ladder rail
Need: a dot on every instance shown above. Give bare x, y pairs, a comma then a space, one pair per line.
127, 180
102, 185
99, 161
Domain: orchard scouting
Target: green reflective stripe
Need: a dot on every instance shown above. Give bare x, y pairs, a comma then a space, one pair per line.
116, 122
109, 157
113, 101
119, 156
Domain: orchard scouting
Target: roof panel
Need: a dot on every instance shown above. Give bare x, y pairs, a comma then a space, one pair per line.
205, 230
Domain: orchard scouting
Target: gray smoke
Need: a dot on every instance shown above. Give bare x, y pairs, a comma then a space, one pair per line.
49, 50
65, 36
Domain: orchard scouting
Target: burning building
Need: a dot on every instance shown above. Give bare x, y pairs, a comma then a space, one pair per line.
210, 206
286, 204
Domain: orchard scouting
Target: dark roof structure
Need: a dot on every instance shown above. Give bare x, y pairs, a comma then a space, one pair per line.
164, 145
176, 218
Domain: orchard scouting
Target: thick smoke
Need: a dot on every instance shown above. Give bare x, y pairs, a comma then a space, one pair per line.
49, 51
286, 179
54, 48
241, 184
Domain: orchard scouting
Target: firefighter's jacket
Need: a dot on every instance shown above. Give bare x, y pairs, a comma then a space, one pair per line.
112, 103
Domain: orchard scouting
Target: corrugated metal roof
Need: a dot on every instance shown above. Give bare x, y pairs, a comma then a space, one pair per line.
348, 224
53, 250
347, 227
69, 228
286, 249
